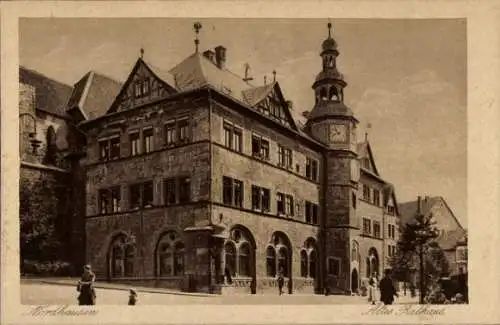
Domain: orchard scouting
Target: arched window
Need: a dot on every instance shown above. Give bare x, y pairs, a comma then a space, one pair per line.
244, 260
121, 257
283, 264
50, 156
271, 261
312, 264
170, 255
303, 263
179, 259
230, 252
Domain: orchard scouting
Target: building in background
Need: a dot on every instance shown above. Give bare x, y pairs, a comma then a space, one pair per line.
452, 237
199, 179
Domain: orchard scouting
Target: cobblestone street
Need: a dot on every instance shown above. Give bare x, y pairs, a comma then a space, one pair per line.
39, 293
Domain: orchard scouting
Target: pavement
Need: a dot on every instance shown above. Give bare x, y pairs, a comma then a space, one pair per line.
63, 292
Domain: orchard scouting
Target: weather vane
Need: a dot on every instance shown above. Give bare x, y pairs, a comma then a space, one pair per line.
329, 28
274, 75
197, 26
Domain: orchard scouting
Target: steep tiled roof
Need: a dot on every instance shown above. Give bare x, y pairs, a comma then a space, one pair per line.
51, 95
329, 108
409, 209
450, 239
94, 94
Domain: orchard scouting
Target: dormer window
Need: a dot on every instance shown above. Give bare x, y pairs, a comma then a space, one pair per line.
142, 88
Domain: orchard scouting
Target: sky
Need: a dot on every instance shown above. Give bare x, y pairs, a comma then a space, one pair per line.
406, 78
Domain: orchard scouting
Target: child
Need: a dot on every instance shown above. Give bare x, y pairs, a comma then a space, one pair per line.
132, 298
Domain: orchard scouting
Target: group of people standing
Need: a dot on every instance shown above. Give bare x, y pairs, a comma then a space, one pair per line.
383, 289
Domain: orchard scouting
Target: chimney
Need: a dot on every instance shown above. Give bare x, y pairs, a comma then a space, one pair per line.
418, 205
210, 55
220, 56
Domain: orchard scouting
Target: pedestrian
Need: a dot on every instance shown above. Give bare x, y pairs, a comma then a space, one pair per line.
387, 289
372, 287
132, 298
281, 281
86, 288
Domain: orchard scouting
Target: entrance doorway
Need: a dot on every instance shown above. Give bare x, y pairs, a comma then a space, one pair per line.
354, 281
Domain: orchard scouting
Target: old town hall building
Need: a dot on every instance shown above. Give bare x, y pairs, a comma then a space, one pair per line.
196, 178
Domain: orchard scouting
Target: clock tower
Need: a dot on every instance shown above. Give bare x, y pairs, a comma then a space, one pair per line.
333, 123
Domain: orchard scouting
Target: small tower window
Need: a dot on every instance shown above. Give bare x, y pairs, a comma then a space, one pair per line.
50, 156
331, 62
334, 94
323, 95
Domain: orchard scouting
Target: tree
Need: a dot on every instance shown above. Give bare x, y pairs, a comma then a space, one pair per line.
38, 217
417, 243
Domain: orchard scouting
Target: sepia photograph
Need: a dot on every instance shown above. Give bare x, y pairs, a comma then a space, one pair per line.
243, 161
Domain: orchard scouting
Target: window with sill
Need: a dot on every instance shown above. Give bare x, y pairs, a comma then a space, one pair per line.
312, 169
232, 137
366, 192
232, 191
390, 210
177, 190
311, 213
260, 198
285, 157
376, 229
177, 131
148, 143
183, 126
376, 197
134, 139
289, 205
367, 226
260, 147
109, 200
142, 88
141, 195
109, 149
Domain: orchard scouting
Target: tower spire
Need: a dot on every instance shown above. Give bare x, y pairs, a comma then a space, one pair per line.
329, 29
197, 26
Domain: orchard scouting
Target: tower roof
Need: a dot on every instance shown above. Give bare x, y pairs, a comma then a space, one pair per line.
330, 109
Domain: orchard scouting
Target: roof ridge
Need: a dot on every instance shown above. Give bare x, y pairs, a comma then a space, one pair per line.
22, 67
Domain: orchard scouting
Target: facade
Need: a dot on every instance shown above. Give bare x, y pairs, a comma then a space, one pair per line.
196, 178
452, 236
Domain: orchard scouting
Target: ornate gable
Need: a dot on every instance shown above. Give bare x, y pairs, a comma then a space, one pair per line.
366, 159
273, 105
142, 86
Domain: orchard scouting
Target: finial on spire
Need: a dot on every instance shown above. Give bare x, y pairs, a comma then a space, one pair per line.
368, 126
265, 80
247, 68
274, 75
141, 51
329, 29
197, 26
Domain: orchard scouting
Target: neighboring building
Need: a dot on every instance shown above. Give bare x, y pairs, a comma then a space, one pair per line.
192, 176
452, 236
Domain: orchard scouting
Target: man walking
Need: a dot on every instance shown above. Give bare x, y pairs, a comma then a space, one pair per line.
387, 289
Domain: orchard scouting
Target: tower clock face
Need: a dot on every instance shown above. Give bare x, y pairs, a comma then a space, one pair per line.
338, 133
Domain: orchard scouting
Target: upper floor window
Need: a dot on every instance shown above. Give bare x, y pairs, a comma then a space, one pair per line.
142, 88
366, 192
177, 131
177, 190
134, 139
376, 197
147, 135
391, 229
311, 213
461, 253
376, 229
141, 195
367, 226
365, 163
354, 201
232, 191
391, 210
260, 198
284, 157
260, 147
109, 200
312, 169
109, 149
232, 137
51, 146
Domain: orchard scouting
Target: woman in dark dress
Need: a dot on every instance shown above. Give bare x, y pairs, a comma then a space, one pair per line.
86, 288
